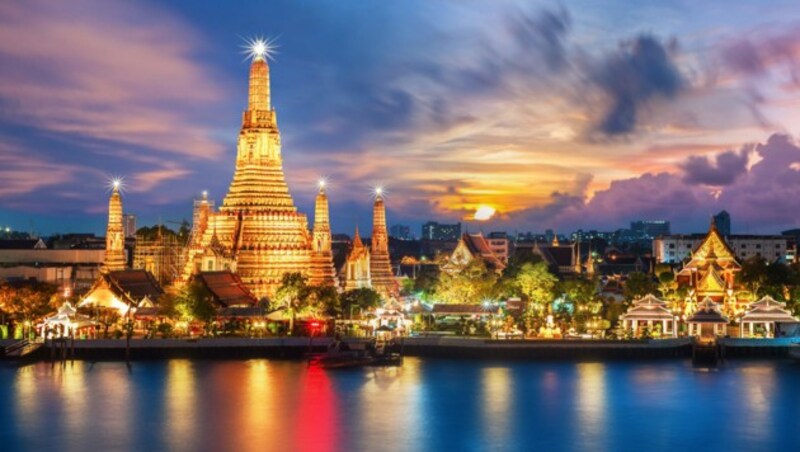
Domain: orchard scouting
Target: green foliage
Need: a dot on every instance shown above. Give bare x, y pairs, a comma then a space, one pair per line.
638, 285
363, 298
29, 301
325, 299
537, 285
194, 303
427, 279
472, 284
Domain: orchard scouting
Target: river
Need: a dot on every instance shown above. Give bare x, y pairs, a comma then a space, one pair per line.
430, 405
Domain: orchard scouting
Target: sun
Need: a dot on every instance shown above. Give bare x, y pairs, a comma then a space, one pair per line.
484, 213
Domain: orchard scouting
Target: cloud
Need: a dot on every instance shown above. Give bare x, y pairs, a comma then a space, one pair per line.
721, 171
111, 71
641, 70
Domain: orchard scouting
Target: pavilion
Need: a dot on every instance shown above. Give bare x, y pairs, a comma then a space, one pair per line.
649, 311
707, 321
765, 312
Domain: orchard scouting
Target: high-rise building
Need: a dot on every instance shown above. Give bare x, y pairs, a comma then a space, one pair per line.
400, 232
650, 229
433, 230
129, 225
723, 222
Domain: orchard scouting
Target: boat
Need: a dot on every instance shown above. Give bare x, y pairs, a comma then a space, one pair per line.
338, 359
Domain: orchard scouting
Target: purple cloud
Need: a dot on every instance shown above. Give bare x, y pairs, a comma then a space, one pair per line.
723, 170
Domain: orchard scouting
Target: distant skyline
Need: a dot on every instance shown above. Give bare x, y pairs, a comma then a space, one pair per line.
559, 116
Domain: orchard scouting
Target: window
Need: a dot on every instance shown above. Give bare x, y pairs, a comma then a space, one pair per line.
671, 246
758, 246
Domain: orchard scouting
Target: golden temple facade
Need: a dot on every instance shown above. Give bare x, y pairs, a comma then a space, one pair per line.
322, 271
383, 280
257, 232
711, 273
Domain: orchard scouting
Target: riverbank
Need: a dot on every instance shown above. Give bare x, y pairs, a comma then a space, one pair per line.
439, 347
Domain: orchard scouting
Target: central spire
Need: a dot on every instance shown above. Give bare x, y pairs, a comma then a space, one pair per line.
258, 98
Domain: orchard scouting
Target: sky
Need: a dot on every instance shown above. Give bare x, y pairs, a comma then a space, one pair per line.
581, 114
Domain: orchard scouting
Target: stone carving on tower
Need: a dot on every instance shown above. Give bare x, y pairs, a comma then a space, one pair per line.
383, 280
322, 271
115, 238
357, 267
258, 227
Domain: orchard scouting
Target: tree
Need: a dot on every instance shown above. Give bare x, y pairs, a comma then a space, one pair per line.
193, 303
325, 299
292, 295
471, 284
364, 298
754, 274
666, 282
427, 279
638, 285
537, 284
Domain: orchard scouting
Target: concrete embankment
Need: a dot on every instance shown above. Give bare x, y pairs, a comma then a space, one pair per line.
457, 347
216, 348
438, 346
757, 348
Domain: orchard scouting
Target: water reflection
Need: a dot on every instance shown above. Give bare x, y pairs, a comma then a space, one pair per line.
180, 405
591, 405
425, 405
497, 386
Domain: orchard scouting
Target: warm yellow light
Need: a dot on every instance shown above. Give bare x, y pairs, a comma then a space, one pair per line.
321, 183
378, 190
484, 213
259, 48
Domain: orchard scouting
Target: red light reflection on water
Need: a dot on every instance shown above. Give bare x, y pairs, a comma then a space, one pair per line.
317, 424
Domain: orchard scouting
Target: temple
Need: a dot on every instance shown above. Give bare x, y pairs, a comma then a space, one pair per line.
469, 248
258, 232
711, 273
383, 280
357, 267
115, 239
322, 271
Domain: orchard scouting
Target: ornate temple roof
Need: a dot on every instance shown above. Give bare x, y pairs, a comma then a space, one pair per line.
767, 309
707, 312
226, 288
473, 246
648, 307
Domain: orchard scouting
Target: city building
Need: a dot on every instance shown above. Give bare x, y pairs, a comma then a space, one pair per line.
160, 254
438, 231
650, 229
723, 222
400, 232
673, 249
129, 225
500, 245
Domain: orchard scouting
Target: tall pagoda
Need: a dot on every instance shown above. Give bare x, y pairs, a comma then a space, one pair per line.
322, 272
711, 272
115, 238
258, 228
383, 280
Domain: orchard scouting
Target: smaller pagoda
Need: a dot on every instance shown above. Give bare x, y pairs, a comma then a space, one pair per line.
764, 313
649, 311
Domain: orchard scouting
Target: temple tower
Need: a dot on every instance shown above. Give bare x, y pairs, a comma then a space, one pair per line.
383, 281
258, 227
115, 239
322, 272
357, 267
